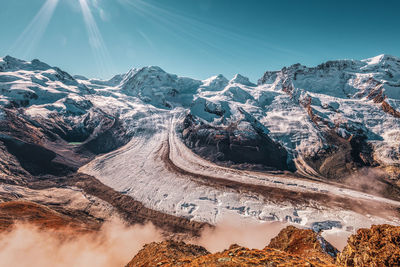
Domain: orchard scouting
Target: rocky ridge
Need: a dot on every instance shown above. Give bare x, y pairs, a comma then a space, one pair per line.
377, 246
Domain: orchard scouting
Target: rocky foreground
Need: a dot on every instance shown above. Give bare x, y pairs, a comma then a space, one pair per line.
377, 246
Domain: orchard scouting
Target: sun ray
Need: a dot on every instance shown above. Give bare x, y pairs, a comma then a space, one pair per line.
33, 33
186, 28
100, 51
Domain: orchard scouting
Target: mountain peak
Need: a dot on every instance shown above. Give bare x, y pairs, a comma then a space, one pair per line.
380, 58
9, 58
215, 83
152, 69
238, 78
216, 79
9, 62
37, 64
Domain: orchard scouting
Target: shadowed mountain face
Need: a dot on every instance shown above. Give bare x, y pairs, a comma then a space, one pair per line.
324, 121
232, 147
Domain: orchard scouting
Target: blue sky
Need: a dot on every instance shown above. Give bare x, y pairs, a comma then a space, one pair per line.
196, 38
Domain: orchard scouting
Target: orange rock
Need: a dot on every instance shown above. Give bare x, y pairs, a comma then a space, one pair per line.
37, 215
378, 246
304, 243
166, 253
172, 253
240, 256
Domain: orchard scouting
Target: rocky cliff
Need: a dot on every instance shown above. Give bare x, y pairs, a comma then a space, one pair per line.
377, 246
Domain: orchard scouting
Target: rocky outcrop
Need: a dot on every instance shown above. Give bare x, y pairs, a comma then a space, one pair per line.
304, 243
108, 137
389, 109
241, 256
171, 253
40, 216
231, 146
342, 156
378, 246
166, 253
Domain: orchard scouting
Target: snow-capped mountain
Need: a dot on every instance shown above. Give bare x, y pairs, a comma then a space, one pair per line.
194, 149
26, 83
296, 106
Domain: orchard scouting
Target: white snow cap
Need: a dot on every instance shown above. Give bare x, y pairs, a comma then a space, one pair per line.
380, 58
215, 83
241, 80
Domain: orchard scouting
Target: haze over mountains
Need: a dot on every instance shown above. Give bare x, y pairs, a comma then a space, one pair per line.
314, 146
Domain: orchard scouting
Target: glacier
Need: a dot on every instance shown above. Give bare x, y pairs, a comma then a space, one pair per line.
309, 112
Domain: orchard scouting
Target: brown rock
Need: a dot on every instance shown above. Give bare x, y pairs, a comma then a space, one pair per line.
172, 253
166, 253
378, 246
240, 256
40, 216
304, 243
389, 109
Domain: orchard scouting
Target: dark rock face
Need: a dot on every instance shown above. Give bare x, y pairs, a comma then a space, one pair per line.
325, 225
343, 156
35, 159
110, 136
44, 146
230, 146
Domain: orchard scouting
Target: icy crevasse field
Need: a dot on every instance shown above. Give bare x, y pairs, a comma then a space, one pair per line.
157, 169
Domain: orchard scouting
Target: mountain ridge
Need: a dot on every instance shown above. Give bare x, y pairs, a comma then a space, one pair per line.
200, 150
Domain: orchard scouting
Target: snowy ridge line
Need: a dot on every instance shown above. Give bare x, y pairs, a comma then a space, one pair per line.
157, 169
342, 92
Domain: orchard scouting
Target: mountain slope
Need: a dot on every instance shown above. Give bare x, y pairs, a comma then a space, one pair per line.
313, 146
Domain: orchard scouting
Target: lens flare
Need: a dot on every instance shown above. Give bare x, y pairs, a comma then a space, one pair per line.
33, 33
197, 31
96, 41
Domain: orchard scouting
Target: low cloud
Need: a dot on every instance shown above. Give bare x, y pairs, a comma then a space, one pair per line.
233, 230
114, 245
337, 238
367, 180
